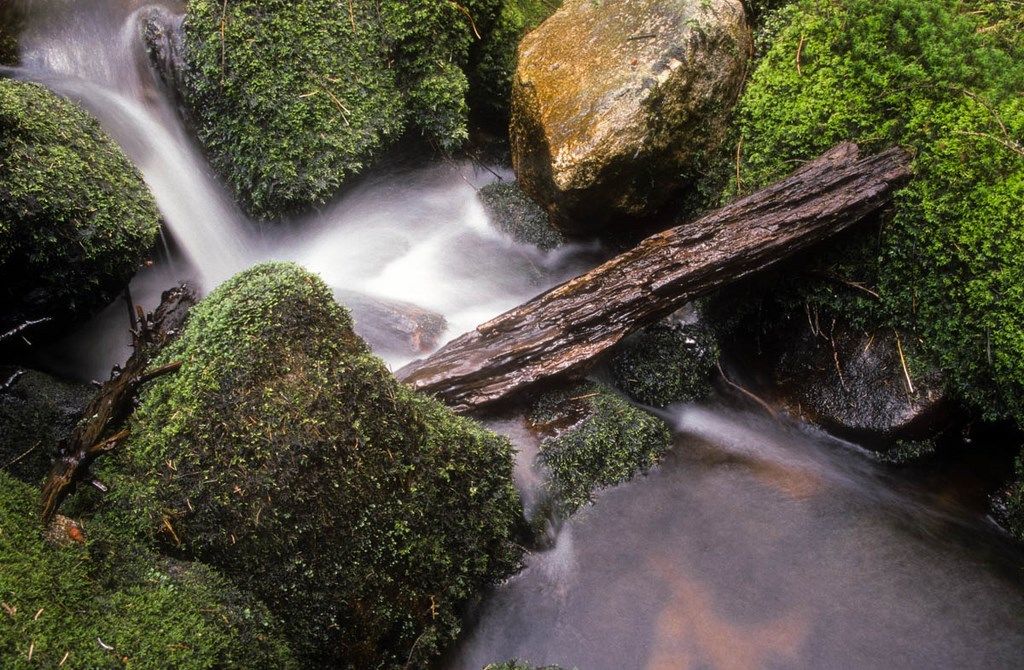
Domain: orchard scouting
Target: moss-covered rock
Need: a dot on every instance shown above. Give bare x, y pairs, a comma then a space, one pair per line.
906, 452
943, 77
667, 363
595, 439
1010, 505
285, 454
616, 104
291, 99
36, 412
519, 665
71, 605
75, 216
519, 217
10, 27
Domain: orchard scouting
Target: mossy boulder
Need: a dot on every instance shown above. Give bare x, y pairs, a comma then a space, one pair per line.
75, 215
363, 514
74, 604
666, 363
616, 104
594, 438
945, 78
519, 665
514, 214
36, 413
292, 99
1009, 506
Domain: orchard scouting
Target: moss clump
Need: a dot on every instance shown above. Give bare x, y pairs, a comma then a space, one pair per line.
905, 452
75, 216
519, 217
291, 99
35, 414
667, 363
945, 78
1010, 505
282, 452
597, 439
519, 665
62, 600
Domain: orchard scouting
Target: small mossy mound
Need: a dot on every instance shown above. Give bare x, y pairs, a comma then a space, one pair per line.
1010, 505
285, 454
667, 363
75, 216
514, 214
36, 412
63, 602
597, 439
906, 452
519, 665
945, 78
291, 99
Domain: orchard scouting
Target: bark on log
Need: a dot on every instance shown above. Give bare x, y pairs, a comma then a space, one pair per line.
562, 330
100, 429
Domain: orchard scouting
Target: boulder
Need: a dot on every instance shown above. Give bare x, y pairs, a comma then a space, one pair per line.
854, 384
283, 453
36, 412
76, 219
616, 103
1008, 504
394, 326
81, 597
593, 438
513, 213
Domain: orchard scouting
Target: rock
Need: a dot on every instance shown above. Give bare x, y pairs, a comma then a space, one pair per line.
394, 326
514, 214
594, 438
615, 103
10, 27
36, 412
1008, 505
162, 35
854, 384
75, 216
669, 362
519, 665
283, 453
109, 603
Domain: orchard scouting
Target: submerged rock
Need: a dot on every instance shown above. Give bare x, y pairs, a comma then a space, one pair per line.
394, 326
95, 600
363, 514
36, 412
75, 216
616, 103
514, 214
595, 438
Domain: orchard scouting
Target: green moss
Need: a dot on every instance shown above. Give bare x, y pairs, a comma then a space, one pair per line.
35, 414
598, 440
75, 216
667, 363
519, 217
64, 600
363, 514
943, 78
291, 99
519, 665
1011, 503
904, 452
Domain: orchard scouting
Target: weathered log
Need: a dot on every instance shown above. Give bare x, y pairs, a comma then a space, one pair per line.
100, 429
564, 329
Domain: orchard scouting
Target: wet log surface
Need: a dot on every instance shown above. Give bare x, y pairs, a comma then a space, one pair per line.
101, 428
561, 331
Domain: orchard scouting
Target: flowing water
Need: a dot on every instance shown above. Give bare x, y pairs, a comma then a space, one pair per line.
755, 544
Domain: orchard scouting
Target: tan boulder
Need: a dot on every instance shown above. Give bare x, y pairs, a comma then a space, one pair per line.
615, 102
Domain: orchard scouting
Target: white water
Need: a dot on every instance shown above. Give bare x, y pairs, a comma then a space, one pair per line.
415, 235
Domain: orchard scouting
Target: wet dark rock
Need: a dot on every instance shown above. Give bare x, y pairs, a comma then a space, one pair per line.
36, 412
162, 34
394, 326
855, 385
615, 102
669, 362
513, 213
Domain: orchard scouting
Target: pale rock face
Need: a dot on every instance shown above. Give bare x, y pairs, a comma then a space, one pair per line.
616, 101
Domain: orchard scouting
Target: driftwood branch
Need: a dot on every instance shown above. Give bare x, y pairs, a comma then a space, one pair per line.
101, 428
563, 330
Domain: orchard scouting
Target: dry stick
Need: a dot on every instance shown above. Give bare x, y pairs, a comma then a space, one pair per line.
223, 41
351, 15
799, 50
739, 154
749, 394
19, 328
472, 24
6, 386
903, 362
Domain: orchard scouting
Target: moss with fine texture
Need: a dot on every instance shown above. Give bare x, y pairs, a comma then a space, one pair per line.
598, 439
75, 215
284, 453
292, 99
68, 604
667, 363
519, 665
944, 78
1010, 506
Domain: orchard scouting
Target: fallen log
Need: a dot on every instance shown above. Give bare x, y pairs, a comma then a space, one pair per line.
100, 429
563, 330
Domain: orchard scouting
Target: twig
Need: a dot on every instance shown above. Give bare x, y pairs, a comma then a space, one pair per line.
799, 50
749, 394
739, 154
6, 386
644, 36
223, 41
23, 455
903, 362
472, 23
24, 326
352, 15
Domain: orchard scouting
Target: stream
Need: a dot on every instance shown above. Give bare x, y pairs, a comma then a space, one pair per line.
757, 543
